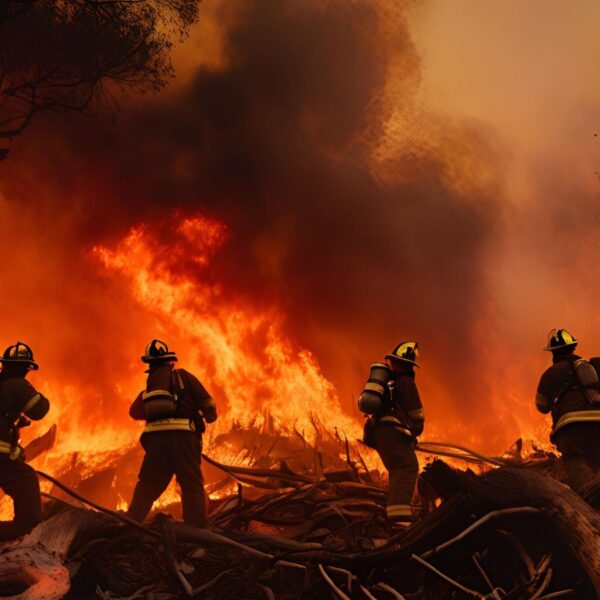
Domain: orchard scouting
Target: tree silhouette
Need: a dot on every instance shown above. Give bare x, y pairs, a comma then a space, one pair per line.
72, 56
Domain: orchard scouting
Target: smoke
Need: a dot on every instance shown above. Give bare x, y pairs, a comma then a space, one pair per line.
365, 218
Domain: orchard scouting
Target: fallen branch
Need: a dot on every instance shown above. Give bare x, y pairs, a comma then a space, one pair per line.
574, 518
390, 590
176, 574
257, 472
337, 591
492, 515
120, 516
456, 584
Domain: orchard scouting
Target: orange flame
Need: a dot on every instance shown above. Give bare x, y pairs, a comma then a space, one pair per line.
240, 352
259, 377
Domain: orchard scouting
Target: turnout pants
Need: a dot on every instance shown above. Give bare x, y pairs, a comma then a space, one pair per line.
170, 453
396, 451
20, 482
579, 444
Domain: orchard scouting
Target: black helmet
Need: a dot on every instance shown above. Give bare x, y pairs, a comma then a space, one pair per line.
406, 352
19, 354
157, 351
559, 339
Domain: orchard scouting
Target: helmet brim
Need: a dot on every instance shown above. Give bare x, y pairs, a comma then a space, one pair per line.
170, 356
404, 360
553, 348
17, 361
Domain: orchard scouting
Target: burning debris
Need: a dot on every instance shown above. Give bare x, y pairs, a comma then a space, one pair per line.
301, 520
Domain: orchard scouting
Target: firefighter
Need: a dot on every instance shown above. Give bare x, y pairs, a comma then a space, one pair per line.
569, 389
175, 406
396, 419
19, 402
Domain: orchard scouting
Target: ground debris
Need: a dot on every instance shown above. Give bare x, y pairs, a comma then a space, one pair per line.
508, 533
302, 524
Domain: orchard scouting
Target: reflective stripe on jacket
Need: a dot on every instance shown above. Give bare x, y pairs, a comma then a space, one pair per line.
399, 511
579, 416
13, 452
559, 392
170, 425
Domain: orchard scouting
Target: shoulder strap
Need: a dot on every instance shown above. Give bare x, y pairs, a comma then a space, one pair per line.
187, 398
179, 379
387, 399
568, 385
572, 382
179, 389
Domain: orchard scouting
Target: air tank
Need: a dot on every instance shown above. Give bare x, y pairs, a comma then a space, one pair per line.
371, 398
588, 378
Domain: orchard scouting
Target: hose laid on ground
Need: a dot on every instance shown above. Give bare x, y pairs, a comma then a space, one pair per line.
463, 453
232, 470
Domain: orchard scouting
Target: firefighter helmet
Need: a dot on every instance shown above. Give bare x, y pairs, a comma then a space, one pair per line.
19, 354
559, 339
157, 351
406, 352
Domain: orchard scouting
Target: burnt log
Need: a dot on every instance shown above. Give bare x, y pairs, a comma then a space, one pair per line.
577, 522
34, 567
507, 529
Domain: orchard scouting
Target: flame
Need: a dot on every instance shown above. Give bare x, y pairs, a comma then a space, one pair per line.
241, 351
258, 376
537, 277
261, 379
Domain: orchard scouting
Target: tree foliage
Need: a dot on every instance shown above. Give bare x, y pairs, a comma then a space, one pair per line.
64, 56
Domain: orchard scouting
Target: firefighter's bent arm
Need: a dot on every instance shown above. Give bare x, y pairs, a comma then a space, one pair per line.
543, 403
209, 410
417, 418
137, 410
414, 408
28, 400
37, 407
206, 405
544, 396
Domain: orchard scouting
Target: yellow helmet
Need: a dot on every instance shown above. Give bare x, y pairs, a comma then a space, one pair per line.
560, 338
406, 352
19, 354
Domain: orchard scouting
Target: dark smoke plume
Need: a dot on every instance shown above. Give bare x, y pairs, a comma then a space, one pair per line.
281, 144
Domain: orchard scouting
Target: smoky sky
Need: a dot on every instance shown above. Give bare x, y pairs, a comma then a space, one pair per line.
278, 144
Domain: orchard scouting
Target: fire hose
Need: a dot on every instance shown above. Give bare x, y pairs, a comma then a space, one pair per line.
461, 452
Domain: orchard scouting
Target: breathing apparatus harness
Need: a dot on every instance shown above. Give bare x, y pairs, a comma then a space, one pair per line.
161, 407
583, 377
376, 403
376, 395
